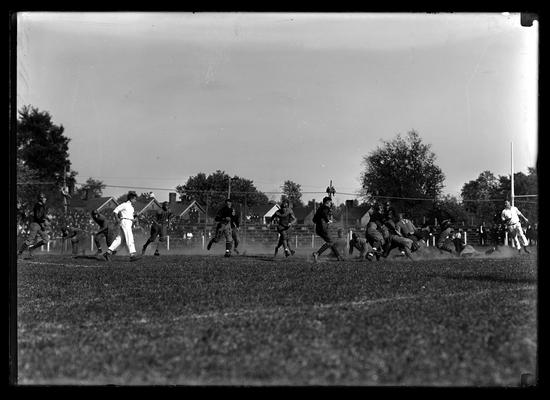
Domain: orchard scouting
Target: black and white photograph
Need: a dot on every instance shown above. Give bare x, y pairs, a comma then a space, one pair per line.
274, 199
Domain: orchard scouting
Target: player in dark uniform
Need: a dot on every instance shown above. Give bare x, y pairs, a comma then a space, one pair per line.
284, 218
445, 239
321, 219
39, 222
105, 229
223, 227
365, 249
396, 239
77, 237
159, 228
375, 239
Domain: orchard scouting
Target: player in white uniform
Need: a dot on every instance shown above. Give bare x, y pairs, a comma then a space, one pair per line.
124, 217
510, 215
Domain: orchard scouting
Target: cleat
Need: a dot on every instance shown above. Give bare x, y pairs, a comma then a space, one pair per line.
134, 258
209, 245
107, 256
292, 252
227, 254
526, 250
156, 253
315, 257
236, 251
287, 253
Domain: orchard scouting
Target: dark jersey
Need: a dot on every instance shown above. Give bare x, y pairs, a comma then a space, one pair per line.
235, 219
72, 232
162, 217
322, 216
224, 213
284, 217
101, 221
39, 213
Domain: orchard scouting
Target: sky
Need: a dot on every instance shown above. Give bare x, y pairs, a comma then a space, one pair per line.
150, 99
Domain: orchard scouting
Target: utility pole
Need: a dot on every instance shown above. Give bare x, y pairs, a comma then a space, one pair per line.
229, 189
330, 190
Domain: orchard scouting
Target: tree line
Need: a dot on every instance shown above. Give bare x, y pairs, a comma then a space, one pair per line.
403, 170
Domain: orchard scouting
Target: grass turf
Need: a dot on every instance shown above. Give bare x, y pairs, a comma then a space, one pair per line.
249, 320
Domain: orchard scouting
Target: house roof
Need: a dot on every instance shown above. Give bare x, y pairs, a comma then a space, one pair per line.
95, 203
179, 208
142, 206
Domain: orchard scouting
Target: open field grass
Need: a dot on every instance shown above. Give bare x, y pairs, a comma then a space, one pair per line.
250, 320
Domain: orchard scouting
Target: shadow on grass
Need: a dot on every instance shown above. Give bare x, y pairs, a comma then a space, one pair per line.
484, 278
84, 257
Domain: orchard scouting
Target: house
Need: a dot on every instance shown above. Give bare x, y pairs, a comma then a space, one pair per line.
101, 204
188, 211
261, 213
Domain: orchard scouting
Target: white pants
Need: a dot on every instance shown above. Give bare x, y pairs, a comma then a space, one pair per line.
516, 233
126, 230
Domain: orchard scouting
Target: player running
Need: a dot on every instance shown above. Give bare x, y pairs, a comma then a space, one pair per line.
39, 222
284, 218
124, 216
105, 229
159, 228
321, 219
510, 216
223, 218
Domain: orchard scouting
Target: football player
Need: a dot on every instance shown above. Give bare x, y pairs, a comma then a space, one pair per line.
321, 219
105, 229
510, 216
39, 222
284, 218
124, 215
223, 227
159, 228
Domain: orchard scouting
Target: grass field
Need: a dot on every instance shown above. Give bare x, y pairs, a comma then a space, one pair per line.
251, 320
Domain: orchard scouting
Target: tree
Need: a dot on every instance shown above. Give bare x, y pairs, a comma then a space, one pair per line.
92, 188
479, 196
449, 207
484, 197
293, 193
42, 149
403, 167
523, 185
212, 190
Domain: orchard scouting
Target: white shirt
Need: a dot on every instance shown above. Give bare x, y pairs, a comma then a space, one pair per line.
126, 209
511, 215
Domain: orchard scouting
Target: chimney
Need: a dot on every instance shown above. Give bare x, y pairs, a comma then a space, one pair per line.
171, 198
